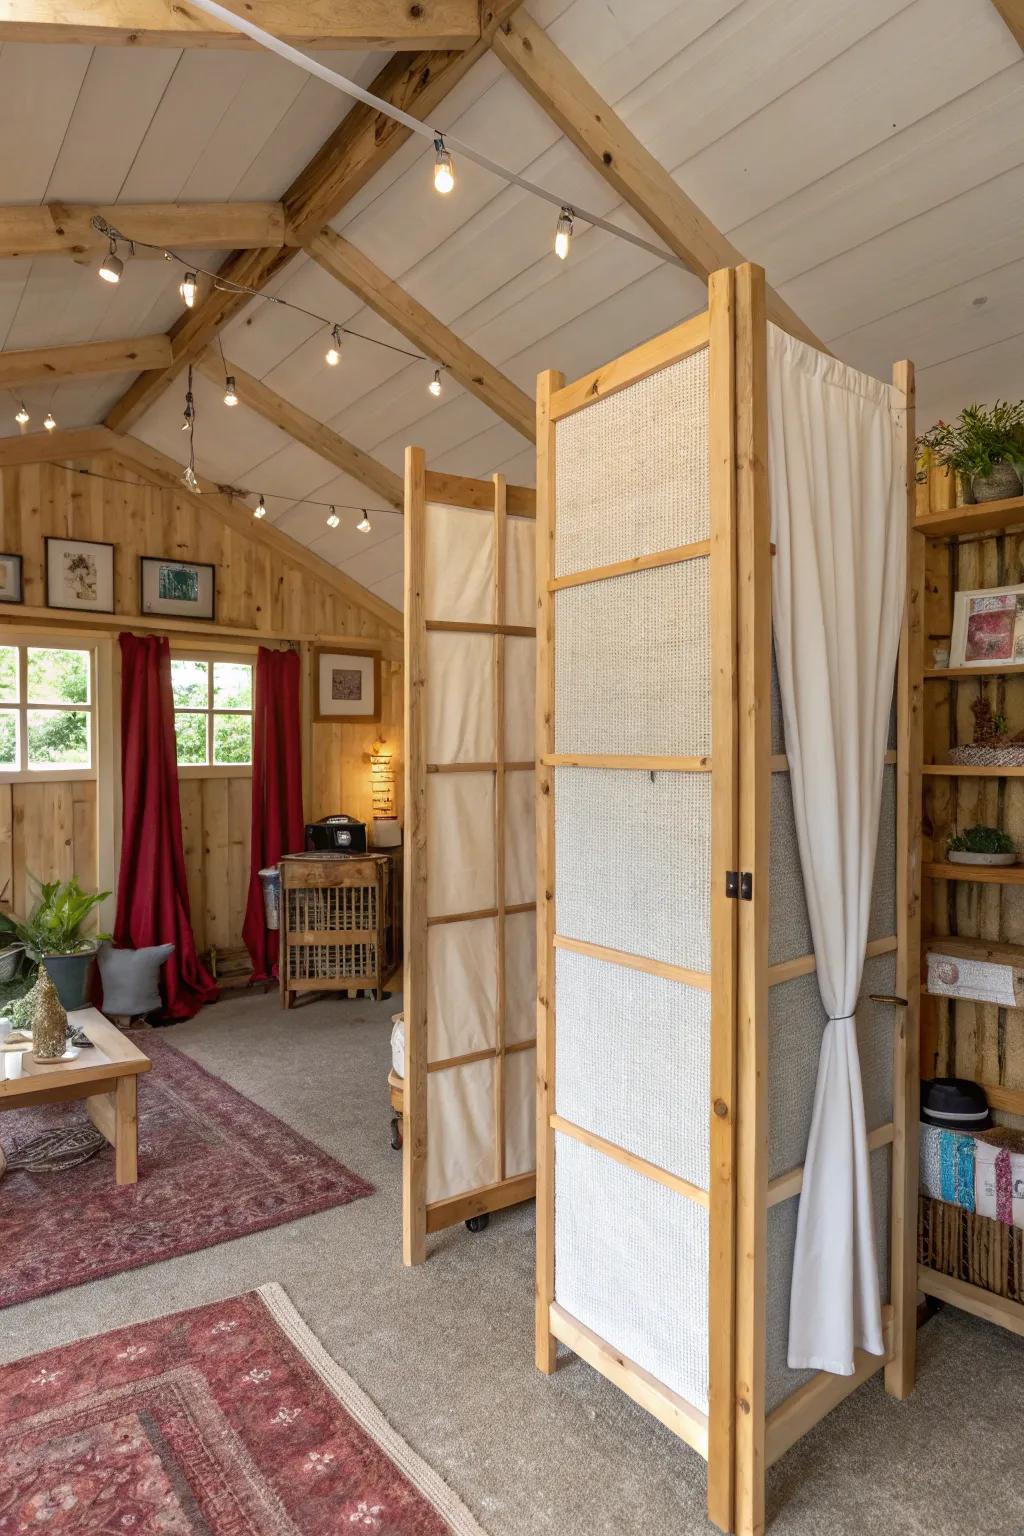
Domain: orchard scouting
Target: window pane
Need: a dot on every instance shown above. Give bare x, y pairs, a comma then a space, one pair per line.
189, 685
190, 731
57, 676
232, 738
9, 674
58, 738
8, 738
232, 685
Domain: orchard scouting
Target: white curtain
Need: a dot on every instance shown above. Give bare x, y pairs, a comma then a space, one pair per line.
837, 476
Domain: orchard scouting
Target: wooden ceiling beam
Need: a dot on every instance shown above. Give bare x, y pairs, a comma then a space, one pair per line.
362, 143
42, 365
65, 229
1012, 12
361, 24
51, 447
602, 137
305, 429
384, 296
166, 473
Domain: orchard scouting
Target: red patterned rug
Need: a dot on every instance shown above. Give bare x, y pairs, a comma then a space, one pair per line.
212, 1166
229, 1420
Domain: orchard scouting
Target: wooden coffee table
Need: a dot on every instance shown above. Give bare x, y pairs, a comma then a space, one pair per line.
106, 1077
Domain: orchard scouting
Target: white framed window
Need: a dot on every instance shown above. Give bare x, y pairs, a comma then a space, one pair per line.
47, 709
212, 714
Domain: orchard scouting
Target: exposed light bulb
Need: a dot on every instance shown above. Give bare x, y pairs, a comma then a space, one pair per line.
333, 519
190, 412
189, 479
563, 233
230, 392
48, 422
435, 384
333, 356
444, 170
364, 525
21, 415
188, 288
111, 266
261, 507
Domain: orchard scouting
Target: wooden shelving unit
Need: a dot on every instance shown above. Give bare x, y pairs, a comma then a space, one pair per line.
954, 525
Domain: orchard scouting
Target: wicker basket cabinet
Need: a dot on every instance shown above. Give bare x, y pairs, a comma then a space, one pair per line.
337, 923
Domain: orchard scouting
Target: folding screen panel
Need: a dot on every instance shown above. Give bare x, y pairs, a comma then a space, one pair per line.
470, 979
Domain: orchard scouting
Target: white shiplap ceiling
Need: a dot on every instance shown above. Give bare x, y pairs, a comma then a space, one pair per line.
867, 152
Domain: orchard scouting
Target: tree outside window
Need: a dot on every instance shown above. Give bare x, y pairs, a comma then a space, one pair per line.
46, 708
212, 711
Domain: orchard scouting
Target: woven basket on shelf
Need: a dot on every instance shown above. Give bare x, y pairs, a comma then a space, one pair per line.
970, 1247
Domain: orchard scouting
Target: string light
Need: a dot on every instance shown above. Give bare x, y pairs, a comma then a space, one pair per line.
48, 421
333, 356
21, 415
189, 478
111, 267
261, 507
230, 392
365, 525
189, 288
235, 492
444, 170
435, 384
190, 482
563, 233
190, 406
333, 519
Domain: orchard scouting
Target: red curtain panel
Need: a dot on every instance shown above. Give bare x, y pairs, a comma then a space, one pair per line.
277, 825
152, 892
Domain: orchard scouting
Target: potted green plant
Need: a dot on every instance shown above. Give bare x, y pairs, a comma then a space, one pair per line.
981, 845
53, 932
984, 447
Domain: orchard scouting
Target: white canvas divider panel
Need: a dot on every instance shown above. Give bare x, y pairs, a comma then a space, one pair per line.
470, 886
635, 570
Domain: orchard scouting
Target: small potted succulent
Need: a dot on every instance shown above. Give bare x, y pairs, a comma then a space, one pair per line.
981, 845
984, 447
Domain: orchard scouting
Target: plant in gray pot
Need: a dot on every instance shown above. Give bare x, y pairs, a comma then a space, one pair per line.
981, 845
53, 933
984, 447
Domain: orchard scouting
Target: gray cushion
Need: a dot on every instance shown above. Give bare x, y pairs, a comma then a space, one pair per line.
131, 977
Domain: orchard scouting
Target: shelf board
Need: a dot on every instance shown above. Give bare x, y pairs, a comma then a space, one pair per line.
972, 1298
985, 517
997, 951
984, 874
1004, 669
966, 771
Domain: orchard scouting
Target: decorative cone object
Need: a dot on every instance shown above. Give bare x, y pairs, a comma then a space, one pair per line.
49, 1021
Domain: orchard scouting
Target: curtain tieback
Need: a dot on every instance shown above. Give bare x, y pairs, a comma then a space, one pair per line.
837, 1018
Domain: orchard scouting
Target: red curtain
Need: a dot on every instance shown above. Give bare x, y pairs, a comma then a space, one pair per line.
277, 825
152, 892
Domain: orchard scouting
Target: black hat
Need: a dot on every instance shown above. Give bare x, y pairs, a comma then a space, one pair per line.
954, 1104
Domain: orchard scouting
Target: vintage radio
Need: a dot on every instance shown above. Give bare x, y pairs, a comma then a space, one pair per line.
336, 834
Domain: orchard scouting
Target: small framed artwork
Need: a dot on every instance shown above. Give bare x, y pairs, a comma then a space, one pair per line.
347, 685
80, 574
180, 588
988, 628
10, 579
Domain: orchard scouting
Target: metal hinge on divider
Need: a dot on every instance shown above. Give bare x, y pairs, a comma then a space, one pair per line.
739, 885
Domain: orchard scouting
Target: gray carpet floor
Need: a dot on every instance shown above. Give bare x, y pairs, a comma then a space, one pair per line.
446, 1349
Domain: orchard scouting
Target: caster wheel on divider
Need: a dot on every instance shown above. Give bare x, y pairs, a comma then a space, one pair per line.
396, 1135
477, 1223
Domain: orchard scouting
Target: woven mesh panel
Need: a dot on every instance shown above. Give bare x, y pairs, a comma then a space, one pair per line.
780, 1380
633, 862
796, 1019
882, 922
632, 470
631, 1263
633, 1062
632, 664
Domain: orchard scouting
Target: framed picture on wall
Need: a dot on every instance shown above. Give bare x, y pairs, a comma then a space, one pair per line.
10, 579
80, 574
181, 589
988, 627
346, 685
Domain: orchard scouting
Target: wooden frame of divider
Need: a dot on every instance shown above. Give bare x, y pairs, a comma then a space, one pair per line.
737, 1437
422, 486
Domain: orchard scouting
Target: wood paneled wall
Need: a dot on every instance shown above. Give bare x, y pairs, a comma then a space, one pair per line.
50, 828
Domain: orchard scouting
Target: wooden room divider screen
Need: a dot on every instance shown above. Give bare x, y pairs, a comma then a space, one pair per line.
470, 969
679, 1020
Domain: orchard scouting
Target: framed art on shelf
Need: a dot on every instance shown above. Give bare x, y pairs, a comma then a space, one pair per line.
80, 575
346, 685
11, 590
988, 627
182, 589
